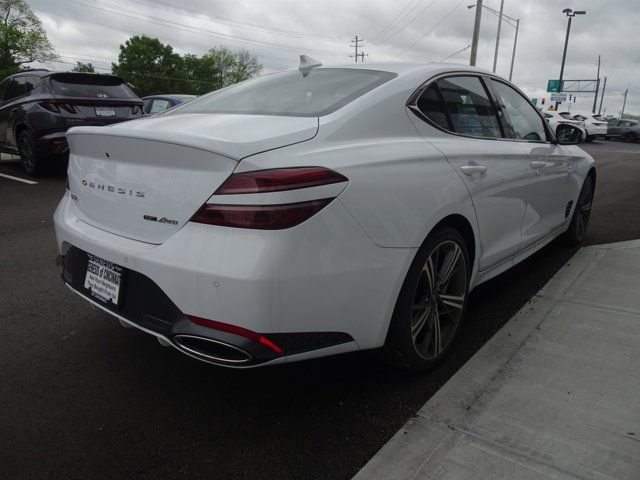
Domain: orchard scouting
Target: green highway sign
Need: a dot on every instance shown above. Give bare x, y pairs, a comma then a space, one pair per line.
552, 85
534, 101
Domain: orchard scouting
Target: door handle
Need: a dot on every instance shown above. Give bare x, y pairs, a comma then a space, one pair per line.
538, 165
473, 169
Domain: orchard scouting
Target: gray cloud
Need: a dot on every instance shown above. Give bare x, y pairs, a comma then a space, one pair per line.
276, 31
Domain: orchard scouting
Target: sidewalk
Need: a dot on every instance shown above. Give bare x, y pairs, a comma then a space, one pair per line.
554, 394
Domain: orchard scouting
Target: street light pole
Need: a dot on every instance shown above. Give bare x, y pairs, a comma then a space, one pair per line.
570, 13
476, 34
495, 54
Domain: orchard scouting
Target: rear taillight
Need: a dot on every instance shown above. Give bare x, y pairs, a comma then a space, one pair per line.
279, 179
56, 106
52, 107
264, 216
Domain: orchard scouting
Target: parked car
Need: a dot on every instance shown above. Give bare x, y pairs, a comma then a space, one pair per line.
627, 129
38, 106
318, 211
594, 124
556, 119
159, 103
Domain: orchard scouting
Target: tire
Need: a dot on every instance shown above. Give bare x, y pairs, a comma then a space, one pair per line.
631, 137
590, 138
426, 320
581, 214
31, 163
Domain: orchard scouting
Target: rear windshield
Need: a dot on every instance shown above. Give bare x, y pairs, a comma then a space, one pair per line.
566, 115
315, 93
90, 86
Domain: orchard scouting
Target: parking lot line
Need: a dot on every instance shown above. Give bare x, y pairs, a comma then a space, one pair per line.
18, 179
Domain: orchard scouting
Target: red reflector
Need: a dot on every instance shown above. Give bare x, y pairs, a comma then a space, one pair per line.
264, 217
243, 332
279, 179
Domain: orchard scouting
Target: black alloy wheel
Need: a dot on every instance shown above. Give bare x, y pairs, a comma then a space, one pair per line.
431, 304
580, 220
30, 161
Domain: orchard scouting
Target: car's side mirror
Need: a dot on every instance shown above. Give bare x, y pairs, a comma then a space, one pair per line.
568, 135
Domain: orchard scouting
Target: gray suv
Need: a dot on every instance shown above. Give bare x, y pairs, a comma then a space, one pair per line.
37, 107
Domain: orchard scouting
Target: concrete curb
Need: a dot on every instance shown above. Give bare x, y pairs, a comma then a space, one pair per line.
554, 394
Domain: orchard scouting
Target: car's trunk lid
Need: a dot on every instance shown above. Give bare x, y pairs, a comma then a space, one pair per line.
145, 181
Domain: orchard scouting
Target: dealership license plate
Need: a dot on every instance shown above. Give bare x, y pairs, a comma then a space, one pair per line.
103, 279
105, 111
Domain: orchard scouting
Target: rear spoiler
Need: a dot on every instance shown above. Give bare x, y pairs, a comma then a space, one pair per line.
88, 78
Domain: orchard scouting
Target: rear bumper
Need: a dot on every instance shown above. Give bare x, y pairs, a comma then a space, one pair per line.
317, 289
596, 131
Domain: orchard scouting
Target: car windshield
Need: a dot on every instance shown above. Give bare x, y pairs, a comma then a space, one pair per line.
599, 118
313, 93
90, 86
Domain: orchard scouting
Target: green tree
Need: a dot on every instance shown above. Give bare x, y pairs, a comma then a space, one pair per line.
219, 68
150, 66
22, 38
84, 67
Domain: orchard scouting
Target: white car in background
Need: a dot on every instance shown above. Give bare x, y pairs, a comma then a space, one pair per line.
318, 211
595, 125
556, 119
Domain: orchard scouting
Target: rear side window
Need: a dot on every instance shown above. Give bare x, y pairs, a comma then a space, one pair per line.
159, 105
524, 122
469, 108
14, 88
430, 104
313, 93
90, 86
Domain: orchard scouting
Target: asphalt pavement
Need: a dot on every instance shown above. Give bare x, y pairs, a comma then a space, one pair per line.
82, 397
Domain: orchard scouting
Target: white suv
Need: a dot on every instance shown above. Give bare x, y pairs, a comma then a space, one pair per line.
595, 125
555, 119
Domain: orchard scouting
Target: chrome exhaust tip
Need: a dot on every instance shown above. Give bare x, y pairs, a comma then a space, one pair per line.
211, 350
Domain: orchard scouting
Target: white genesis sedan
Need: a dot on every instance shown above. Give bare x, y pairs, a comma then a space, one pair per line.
317, 211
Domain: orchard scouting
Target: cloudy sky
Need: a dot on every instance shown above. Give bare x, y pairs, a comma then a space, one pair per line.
276, 31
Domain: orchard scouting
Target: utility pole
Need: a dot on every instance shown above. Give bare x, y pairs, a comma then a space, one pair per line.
357, 43
495, 54
513, 55
624, 103
595, 97
476, 34
602, 95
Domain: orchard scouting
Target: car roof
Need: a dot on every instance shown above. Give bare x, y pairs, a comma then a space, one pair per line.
403, 68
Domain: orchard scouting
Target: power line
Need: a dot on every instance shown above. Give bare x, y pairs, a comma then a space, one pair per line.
384, 30
231, 22
456, 53
415, 17
163, 38
401, 19
199, 31
143, 74
433, 28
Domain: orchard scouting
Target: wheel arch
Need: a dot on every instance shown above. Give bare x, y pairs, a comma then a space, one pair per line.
463, 226
18, 129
